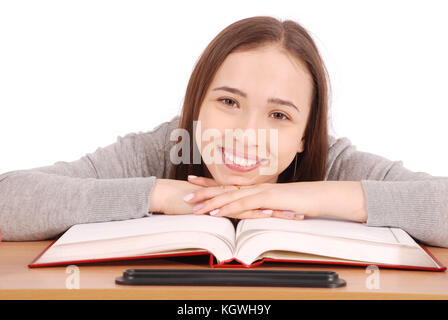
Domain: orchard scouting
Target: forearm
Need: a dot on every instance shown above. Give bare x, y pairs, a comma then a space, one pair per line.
418, 207
343, 199
38, 206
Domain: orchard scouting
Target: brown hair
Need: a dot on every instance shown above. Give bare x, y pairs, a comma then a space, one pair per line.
247, 34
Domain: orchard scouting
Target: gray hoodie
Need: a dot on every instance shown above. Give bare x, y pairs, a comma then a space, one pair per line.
115, 183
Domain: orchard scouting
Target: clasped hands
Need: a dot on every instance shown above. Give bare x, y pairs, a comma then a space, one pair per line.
280, 200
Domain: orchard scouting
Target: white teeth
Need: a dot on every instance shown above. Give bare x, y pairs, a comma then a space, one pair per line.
239, 161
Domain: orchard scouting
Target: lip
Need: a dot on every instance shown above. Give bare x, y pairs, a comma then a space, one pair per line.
239, 168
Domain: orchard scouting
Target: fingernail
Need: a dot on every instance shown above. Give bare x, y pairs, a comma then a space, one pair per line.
300, 216
198, 206
188, 197
192, 177
288, 213
267, 211
213, 212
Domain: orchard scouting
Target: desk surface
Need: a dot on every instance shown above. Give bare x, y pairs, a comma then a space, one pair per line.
97, 281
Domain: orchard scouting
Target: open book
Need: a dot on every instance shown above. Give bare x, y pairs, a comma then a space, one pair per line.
313, 240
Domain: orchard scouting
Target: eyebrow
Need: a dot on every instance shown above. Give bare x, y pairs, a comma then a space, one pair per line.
244, 95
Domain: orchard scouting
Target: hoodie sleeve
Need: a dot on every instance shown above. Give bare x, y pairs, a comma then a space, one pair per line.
113, 183
416, 202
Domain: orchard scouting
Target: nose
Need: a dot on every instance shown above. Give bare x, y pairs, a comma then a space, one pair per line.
246, 131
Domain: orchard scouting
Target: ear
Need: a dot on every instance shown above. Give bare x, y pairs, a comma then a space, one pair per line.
301, 145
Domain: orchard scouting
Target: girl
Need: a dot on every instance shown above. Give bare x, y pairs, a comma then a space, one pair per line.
257, 74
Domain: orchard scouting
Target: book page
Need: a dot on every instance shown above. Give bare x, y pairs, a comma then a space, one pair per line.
327, 227
290, 255
155, 224
144, 245
261, 242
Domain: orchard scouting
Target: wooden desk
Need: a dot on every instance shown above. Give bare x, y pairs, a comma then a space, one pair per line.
97, 281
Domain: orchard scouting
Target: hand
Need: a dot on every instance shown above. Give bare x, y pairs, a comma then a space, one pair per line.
167, 196
243, 202
202, 181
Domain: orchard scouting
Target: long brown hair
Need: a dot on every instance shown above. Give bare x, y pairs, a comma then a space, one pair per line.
251, 33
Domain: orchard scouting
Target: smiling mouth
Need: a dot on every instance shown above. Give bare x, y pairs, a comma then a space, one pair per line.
241, 164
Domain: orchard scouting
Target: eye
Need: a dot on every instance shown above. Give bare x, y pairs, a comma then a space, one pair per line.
226, 100
279, 116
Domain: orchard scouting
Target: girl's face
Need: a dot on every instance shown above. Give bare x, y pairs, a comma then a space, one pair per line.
266, 92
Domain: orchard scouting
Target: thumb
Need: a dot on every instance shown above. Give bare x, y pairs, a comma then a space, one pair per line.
202, 181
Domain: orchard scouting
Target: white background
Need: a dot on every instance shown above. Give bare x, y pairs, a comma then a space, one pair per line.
75, 75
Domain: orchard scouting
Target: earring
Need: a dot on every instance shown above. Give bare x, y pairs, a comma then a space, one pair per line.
295, 165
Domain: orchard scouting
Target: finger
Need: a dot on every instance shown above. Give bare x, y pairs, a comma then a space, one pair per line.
243, 200
208, 193
266, 213
290, 215
202, 181
253, 203
211, 192
211, 205
255, 214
